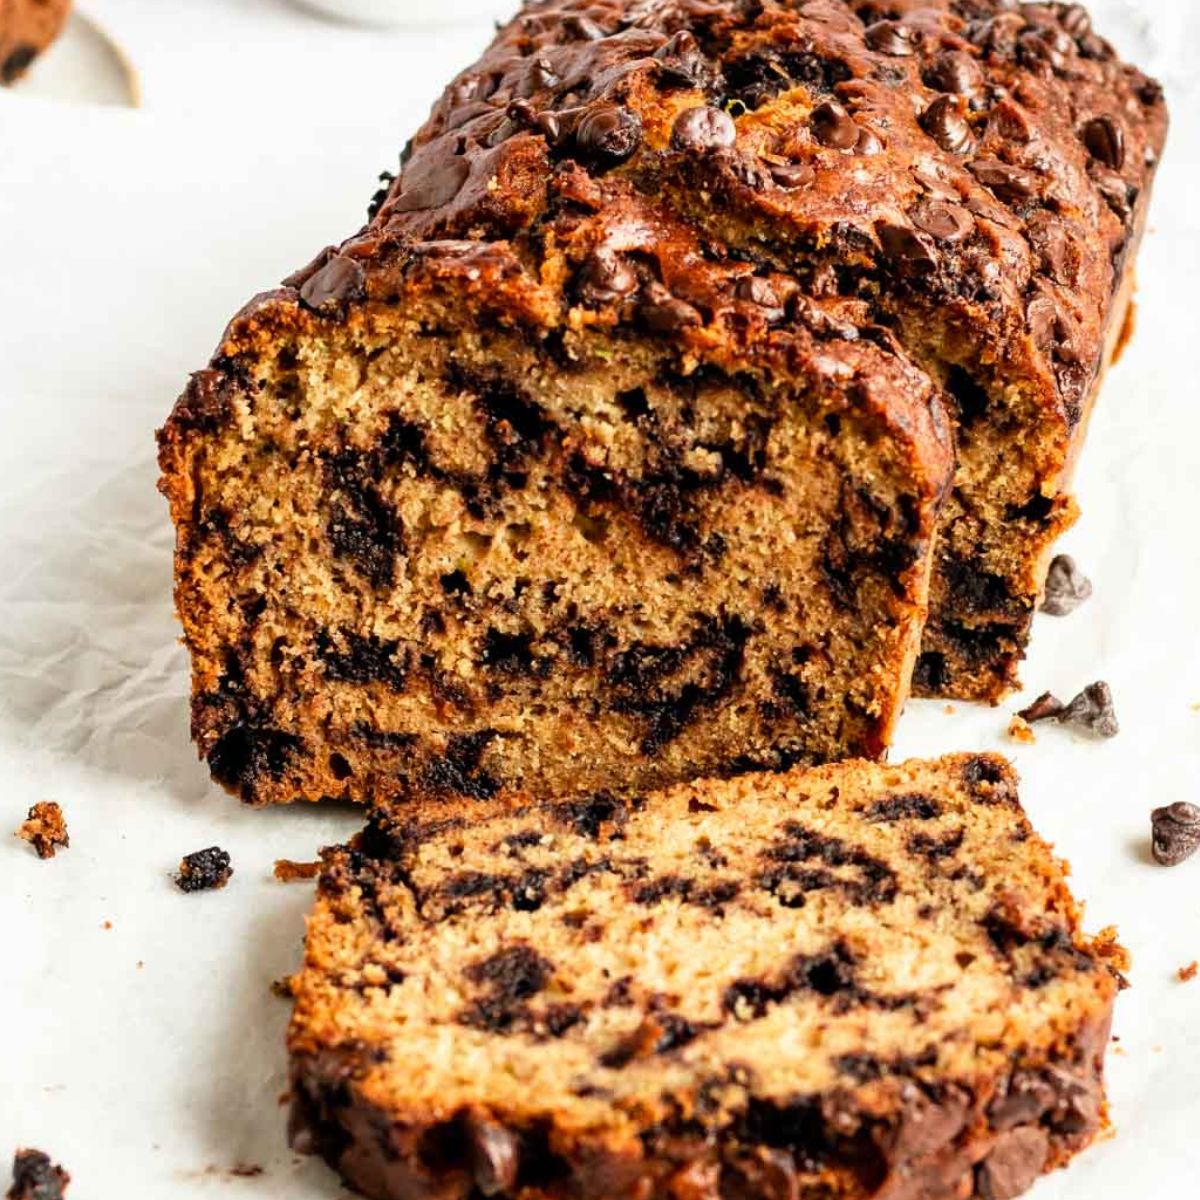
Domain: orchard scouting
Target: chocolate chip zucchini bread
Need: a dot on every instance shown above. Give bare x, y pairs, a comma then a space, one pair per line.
460, 516
855, 981
27, 27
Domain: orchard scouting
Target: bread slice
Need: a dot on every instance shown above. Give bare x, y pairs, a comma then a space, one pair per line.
441, 532
856, 981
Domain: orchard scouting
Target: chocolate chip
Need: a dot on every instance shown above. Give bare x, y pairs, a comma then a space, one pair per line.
609, 133
791, 175
1092, 711
912, 253
1067, 587
833, 126
955, 71
1006, 181
756, 290
680, 61
341, 281
606, 278
892, 37
1176, 832
1105, 141
868, 142
203, 870
1075, 20
1047, 325
542, 76
583, 29
765, 1174
946, 222
36, 1178
945, 121
663, 313
494, 1153
703, 128
926, 1125
1047, 707
431, 182
1028, 1097
1015, 1161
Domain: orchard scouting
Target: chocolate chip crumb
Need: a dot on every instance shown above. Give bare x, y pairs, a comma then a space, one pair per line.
1066, 587
1188, 973
494, 1153
1176, 832
203, 870
36, 1178
1046, 707
1019, 731
287, 871
45, 829
1092, 711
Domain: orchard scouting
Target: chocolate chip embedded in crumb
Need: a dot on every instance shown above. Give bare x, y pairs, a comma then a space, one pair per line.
1092, 711
1067, 587
431, 182
892, 38
45, 829
703, 128
833, 126
912, 252
663, 313
955, 71
340, 282
494, 1154
204, 870
1175, 832
609, 133
946, 222
945, 121
1016, 1160
1105, 141
790, 176
1005, 181
1046, 707
36, 1178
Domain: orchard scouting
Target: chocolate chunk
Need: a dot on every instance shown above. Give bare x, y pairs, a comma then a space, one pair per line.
680, 61
36, 1178
791, 175
1029, 1096
1105, 140
892, 37
946, 222
340, 282
1077, 1101
204, 870
1067, 587
494, 1154
606, 278
431, 182
1092, 711
609, 134
1176, 832
833, 126
945, 120
703, 128
955, 71
913, 253
45, 829
1014, 1163
1007, 182
756, 290
926, 1123
663, 313
1046, 707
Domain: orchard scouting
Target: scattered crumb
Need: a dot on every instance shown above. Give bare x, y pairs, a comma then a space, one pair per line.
284, 1098
287, 871
1118, 960
106, 925
1196, 706
140, 964
1188, 973
282, 987
35, 1178
949, 710
204, 870
1020, 731
45, 829
246, 1170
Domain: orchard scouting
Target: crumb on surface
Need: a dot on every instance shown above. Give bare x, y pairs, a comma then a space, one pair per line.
246, 1170
288, 871
36, 1178
45, 829
1106, 946
1020, 730
204, 870
282, 987
949, 710
1188, 973
106, 925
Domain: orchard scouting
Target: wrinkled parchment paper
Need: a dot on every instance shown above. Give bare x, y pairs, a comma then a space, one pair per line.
148, 1056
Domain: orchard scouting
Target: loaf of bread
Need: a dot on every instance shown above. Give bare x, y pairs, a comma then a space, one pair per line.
857, 981
27, 27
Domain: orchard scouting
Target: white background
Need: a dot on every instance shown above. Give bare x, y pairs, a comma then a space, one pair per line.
148, 1057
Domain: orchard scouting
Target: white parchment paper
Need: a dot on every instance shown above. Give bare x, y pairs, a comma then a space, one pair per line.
148, 1056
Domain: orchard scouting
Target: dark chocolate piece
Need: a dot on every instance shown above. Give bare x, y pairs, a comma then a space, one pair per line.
204, 870
1067, 587
1176, 832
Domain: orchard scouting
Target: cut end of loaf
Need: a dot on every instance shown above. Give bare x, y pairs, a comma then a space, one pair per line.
858, 981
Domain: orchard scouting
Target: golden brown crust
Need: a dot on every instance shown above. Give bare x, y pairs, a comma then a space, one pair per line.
858, 981
27, 27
